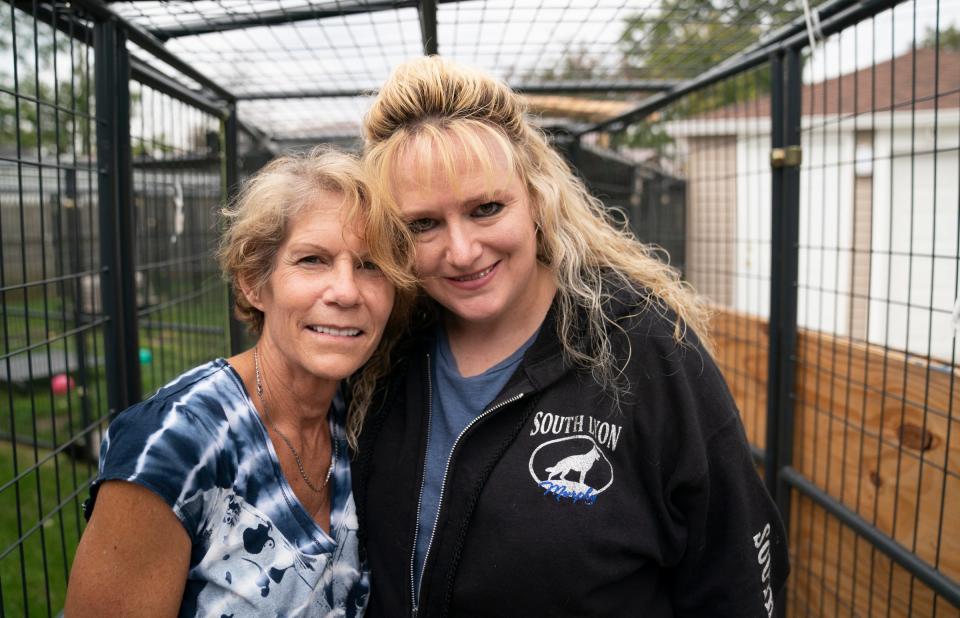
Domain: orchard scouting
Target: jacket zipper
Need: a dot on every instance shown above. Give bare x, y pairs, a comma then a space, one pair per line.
415, 588
423, 482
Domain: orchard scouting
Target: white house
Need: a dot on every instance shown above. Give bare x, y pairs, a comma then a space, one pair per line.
879, 196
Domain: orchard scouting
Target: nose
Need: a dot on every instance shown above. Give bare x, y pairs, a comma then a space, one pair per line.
463, 248
342, 287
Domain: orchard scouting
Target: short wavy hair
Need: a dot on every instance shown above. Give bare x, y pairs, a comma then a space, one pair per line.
257, 223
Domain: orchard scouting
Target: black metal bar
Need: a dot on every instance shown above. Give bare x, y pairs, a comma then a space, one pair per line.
783, 285
68, 25
258, 136
427, 11
148, 76
790, 263
597, 86
937, 581
231, 157
288, 15
323, 93
790, 38
153, 45
231, 178
771, 461
149, 324
118, 287
180, 163
61, 20
797, 26
126, 225
545, 87
75, 256
339, 138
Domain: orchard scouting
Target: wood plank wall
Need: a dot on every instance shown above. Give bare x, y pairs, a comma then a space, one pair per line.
876, 429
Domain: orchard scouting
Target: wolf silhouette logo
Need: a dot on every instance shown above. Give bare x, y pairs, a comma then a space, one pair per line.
572, 466
574, 463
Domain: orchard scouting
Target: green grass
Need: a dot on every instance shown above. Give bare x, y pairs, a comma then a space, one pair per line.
40, 515
43, 509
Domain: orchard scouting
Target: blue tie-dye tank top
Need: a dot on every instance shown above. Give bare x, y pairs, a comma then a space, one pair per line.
200, 444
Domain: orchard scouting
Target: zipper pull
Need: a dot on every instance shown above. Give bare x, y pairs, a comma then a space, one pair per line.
415, 611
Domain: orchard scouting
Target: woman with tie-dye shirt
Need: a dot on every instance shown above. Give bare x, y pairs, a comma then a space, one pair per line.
228, 492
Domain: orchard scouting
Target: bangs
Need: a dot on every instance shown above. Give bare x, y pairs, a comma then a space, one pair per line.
425, 152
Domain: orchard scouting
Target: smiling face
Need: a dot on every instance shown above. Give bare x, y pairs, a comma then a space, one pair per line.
325, 303
476, 248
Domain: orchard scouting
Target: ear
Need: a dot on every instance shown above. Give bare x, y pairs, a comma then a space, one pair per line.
251, 293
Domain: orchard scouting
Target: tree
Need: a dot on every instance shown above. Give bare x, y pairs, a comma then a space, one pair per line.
48, 69
949, 38
686, 37
681, 39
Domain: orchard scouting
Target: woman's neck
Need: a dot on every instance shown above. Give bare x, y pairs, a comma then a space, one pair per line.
477, 346
297, 401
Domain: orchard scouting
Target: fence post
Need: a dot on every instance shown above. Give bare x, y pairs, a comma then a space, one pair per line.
239, 341
785, 100
117, 229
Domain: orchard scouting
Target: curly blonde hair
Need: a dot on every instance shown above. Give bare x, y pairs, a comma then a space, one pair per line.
593, 256
257, 222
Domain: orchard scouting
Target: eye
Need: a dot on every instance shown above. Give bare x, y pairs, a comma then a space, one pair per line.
419, 226
311, 260
368, 265
487, 210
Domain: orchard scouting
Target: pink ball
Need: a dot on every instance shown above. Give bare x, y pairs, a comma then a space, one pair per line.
61, 383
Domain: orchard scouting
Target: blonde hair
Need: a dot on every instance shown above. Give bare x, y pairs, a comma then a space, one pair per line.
257, 222
592, 256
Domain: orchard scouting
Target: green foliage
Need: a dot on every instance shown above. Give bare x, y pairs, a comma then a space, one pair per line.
643, 135
949, 38
687, 37
53, 76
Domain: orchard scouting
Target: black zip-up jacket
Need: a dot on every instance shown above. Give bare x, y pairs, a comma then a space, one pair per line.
557, 504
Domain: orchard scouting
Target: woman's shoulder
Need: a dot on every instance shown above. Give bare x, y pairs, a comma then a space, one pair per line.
196, 392
644, 316
174, 441
669, 358
182, 417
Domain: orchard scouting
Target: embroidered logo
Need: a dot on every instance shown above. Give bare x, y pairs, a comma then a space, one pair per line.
577, 463
572, 468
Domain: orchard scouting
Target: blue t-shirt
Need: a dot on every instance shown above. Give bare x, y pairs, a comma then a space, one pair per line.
456, 402
200, 445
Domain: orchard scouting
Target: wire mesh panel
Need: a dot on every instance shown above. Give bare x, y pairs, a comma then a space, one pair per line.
336, 52
882, 587
712, 147
177, 190
877, 403
863, 396
51, 371
286, 52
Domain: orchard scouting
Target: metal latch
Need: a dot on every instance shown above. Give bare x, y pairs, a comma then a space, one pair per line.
791, 156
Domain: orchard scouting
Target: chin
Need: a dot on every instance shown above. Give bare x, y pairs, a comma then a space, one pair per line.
335, 370
477, 315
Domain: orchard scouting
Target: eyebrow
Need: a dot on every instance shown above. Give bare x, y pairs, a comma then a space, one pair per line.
306, 245
483, 197
309, 247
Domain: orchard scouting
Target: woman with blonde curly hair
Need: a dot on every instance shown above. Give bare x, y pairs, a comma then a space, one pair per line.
554, 438
228, 492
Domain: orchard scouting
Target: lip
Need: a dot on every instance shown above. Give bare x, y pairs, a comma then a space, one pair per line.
475, 284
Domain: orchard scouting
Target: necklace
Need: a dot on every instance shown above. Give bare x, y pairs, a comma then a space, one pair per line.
296, 455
